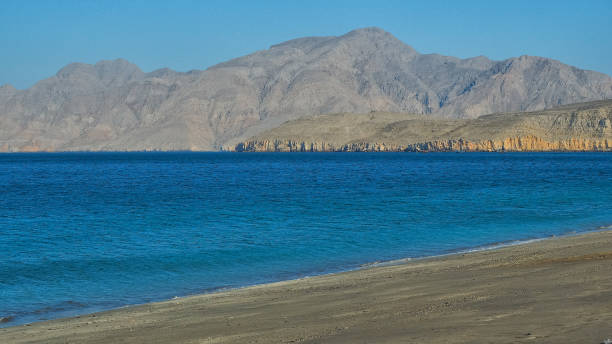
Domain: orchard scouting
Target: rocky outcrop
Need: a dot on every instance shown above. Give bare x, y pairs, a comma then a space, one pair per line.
510, 144
579, 127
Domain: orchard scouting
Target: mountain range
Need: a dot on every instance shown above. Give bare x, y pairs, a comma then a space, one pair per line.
113, 105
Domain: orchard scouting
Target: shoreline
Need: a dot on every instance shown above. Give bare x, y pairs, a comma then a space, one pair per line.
304, 152
488, 247
7, 320
551, 249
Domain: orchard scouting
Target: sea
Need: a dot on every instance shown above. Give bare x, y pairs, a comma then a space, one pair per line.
85, 232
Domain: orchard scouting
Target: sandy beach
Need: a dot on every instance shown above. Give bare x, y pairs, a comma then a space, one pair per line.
550, 291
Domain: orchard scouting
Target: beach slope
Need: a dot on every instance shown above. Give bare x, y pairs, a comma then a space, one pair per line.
550, 291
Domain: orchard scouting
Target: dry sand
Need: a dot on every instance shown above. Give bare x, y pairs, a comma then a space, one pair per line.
551, 291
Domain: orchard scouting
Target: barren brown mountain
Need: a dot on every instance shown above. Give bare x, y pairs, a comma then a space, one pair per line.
113, 105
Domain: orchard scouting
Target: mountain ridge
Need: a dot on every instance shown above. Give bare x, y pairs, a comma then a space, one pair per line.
113, 105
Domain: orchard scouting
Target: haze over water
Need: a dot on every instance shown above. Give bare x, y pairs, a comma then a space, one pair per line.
83, 232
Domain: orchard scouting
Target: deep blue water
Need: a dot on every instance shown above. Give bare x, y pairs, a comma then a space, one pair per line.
84, 232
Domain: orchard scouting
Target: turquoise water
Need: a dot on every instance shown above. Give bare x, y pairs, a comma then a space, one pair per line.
84, 232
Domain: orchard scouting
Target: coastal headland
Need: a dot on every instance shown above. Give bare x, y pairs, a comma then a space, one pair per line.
572, 128
548, 291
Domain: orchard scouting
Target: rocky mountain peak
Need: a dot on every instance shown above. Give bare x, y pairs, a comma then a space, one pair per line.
109, 72
377, 38
116, 66
372, 32
117, 72
75, 69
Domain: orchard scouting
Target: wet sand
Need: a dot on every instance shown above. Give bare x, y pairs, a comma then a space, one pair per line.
550, 291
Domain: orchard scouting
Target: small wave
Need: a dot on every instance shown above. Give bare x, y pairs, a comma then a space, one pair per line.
59, 307
7, 319
487, 247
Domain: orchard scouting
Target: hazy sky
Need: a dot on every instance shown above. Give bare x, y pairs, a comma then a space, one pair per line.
39, 37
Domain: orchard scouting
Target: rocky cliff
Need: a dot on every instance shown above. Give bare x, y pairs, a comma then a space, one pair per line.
510, 144
113, 105
580, 127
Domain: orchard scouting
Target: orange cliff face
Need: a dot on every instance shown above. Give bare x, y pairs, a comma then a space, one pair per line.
31, 147
511, 144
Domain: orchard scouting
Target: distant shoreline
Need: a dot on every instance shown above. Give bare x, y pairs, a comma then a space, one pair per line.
307, 152
571, 128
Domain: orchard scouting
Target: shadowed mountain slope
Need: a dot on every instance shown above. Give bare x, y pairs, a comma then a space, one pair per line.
113, 105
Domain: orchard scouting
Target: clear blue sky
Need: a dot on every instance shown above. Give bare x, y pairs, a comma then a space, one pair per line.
39, 37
